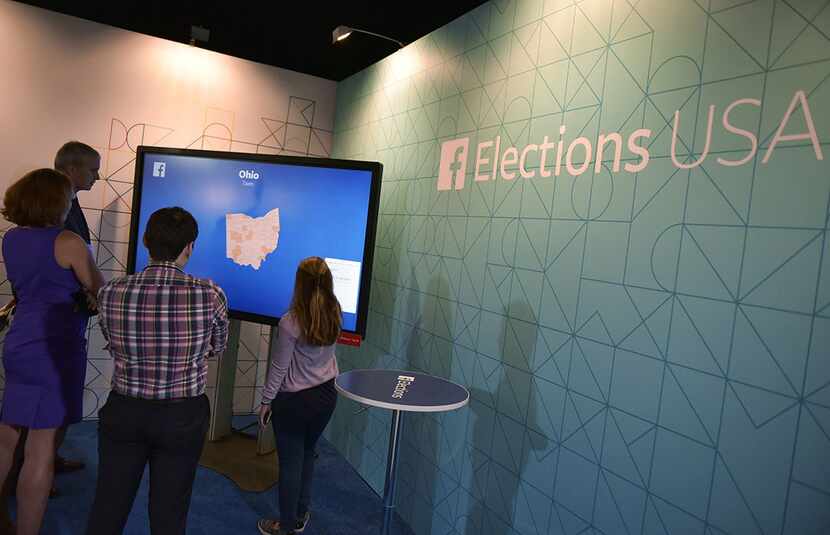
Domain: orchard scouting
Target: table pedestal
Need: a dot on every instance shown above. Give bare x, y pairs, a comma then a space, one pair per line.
399, 391
221, 396
391, 473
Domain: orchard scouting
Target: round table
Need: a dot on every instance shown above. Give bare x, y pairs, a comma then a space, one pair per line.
399, 391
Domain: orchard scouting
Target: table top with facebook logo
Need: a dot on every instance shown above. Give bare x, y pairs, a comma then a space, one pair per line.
402, 390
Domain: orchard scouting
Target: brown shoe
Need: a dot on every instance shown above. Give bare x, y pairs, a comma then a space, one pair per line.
63, 465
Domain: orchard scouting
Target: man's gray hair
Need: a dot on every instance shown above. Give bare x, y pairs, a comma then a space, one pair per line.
73, 153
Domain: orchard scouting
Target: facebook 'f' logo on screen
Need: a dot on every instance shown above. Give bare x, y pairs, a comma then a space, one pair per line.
453, 164
159, 168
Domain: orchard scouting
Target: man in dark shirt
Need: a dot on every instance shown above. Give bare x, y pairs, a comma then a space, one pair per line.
80, 163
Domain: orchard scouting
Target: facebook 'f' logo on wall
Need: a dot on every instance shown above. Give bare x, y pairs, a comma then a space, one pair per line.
453, 164
159, 168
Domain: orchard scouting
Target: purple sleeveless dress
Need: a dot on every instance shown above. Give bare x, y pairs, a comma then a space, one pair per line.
44, 354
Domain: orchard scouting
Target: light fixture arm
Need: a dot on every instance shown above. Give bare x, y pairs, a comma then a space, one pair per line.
400, 44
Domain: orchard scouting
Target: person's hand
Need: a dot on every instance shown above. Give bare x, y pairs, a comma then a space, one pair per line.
85, 302
91, 301
264, 415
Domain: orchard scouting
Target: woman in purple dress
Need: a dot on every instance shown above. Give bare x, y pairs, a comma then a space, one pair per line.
52, 275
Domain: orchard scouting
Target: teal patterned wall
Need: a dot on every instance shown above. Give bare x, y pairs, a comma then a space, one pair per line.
647, 338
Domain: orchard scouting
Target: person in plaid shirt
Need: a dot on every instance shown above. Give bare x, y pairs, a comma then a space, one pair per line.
161, 326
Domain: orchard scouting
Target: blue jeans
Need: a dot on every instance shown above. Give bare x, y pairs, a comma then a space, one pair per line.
299, 419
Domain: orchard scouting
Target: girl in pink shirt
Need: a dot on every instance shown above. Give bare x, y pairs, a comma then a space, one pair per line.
299, 394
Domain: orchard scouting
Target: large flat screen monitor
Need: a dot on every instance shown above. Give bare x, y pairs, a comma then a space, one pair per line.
259, 216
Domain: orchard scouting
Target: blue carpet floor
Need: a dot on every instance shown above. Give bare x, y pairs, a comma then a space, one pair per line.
343, 504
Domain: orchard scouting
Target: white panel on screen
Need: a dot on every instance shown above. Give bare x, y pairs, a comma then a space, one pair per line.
346, 275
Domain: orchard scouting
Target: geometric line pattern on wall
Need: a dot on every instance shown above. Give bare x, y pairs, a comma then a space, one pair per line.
624, 336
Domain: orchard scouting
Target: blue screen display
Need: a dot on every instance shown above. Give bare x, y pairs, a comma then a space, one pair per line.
258, 220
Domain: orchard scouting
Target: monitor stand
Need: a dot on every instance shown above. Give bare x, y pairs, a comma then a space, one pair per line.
221, 393
221, 388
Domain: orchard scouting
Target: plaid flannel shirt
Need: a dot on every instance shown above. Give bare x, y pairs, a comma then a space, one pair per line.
161, 326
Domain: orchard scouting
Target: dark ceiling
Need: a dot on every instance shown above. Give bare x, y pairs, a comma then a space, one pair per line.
294, 35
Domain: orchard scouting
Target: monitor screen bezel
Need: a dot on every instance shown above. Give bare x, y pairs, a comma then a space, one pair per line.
376, 168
